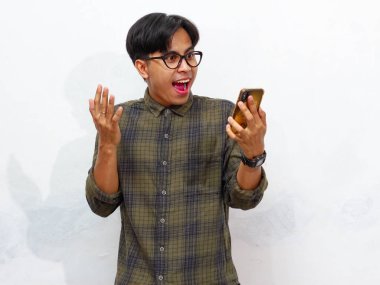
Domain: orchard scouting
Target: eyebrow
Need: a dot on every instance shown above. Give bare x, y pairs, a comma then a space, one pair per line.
186, 51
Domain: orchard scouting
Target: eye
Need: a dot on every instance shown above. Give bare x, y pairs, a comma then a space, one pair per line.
171, 57
190, 55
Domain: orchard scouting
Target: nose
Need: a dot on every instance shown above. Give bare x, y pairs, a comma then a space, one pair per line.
183, 66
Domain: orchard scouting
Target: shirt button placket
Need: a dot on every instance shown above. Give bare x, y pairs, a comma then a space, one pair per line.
165, 165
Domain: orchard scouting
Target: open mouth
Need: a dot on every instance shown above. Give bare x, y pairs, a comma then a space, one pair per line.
181, 85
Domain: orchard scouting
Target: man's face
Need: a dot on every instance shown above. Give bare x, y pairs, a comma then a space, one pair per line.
171, 86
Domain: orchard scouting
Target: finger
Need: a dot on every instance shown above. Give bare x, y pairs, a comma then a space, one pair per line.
231, 134
110, 108
104, 104
91, 106
247, 113
235, 125
263, 116
254, 110
92, 109
97, 99
116, 117
252, 106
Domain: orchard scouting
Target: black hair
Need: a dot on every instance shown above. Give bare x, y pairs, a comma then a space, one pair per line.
154, 32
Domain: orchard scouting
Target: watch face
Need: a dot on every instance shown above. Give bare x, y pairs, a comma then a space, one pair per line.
260, 161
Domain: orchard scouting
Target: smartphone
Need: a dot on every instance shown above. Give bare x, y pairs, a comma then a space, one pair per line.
257, 95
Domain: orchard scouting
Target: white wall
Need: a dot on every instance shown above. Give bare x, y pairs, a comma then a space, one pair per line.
319, 63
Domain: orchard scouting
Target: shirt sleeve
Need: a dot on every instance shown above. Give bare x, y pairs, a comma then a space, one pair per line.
101, 203
235, 196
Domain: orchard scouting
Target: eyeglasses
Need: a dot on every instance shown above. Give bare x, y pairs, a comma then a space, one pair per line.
173, 59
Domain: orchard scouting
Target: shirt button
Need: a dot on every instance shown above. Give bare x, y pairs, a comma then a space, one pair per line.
162, 221
162, 248
166, 136
164, 162
160, 277
163, 192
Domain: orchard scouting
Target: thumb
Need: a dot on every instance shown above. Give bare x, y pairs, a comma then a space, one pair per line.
116, 117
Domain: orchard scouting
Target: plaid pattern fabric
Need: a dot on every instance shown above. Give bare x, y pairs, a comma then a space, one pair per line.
177, 171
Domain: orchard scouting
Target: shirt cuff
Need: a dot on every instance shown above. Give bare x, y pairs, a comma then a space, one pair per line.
98, 194
248, 198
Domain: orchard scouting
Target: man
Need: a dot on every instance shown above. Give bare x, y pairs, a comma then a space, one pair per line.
172, 164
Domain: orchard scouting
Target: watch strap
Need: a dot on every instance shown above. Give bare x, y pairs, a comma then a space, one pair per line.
255, 162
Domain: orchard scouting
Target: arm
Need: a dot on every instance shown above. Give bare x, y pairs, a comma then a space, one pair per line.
237, 196
247, 177
106, 123
250, 140
245, 185
102, 185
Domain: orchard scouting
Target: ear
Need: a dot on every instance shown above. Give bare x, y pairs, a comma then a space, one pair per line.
142, 68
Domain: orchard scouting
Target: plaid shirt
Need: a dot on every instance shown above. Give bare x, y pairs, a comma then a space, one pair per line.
177, 179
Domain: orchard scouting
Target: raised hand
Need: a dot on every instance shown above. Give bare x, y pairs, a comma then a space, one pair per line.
251, 138
105, 118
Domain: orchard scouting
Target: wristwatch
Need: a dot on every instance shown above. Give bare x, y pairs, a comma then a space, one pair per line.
255, 162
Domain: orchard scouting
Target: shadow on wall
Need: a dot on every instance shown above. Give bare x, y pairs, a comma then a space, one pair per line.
62, 227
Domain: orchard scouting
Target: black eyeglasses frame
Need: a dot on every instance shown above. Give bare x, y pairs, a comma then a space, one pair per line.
162, 57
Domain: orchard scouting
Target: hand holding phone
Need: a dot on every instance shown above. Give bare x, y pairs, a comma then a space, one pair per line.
238, 115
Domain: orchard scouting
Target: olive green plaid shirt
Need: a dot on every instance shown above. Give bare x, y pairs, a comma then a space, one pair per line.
177, 179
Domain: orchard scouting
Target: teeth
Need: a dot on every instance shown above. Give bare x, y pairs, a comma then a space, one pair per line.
183, 81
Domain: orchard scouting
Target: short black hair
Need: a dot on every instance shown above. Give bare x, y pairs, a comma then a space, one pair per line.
154, 32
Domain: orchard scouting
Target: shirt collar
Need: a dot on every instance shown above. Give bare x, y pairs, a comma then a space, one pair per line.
157, 108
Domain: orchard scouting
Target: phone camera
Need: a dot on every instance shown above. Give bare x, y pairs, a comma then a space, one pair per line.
244, 97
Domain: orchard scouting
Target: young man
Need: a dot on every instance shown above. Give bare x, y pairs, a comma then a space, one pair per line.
172, 164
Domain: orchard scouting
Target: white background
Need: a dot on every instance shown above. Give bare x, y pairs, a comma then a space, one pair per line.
319, 64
